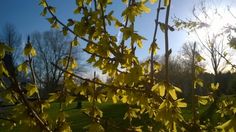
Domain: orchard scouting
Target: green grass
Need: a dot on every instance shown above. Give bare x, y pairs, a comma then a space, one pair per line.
113, 113
112, 117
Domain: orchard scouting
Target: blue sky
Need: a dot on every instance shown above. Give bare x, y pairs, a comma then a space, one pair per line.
25, 15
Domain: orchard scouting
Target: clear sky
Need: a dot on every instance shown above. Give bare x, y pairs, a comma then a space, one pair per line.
25, 15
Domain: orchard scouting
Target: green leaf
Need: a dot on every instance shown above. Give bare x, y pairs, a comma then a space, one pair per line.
127, 32
23, 67
199, 70
166, 2
159, 88
95, 127
181, 104
64, 31
163, 27
45, 105
154, 47
77, 10
144, 8
10, 98
125, 1
53, 97
70, 22
73, 63
44, 12
101, 98
65, 127
229, 126
75, 42
163, 105
203, 99
198, 82
118, 24
214, 86
173, 94
177, 89
52, 9
4, 49
69, 100
162, 90
29, 50
153, 1
55, 25
91, 59
3, 70
140, 43
51, 20
138, 129
31, 89
2, 85
124, 99
43, 3
199, 58
115, 99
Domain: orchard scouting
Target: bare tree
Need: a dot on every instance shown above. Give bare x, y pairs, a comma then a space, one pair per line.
187, 53
12, 38
190, 54
210, 35
51, 47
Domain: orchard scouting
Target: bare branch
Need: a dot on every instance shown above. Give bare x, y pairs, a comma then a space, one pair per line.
153, 41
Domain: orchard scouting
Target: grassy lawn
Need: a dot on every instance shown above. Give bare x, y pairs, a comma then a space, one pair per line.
112, 117
113, 113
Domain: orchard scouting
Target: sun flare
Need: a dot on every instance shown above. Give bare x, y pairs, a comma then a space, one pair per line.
216, 20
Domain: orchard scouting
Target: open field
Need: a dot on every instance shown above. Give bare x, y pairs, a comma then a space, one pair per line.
112, 117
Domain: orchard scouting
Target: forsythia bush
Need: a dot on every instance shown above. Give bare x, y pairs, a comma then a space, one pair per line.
132, 82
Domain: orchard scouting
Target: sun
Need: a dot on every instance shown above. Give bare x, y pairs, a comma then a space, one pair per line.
216, 21
219, 22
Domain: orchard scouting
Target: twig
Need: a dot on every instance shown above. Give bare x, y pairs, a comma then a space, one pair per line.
143, 91
153, 41
95, 5
61, 23
167, 50
70, 30
41, 121
233, 65
126, 24
103, 18
66, 67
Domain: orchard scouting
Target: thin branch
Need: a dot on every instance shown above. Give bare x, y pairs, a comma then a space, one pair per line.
126, 24
153, 41
70, 30
32, 70
103, 18
167, 50
66, 68
95, 5
231, 12
33, 74
103, 57
65, 26
41, 121
110, 86
193, 90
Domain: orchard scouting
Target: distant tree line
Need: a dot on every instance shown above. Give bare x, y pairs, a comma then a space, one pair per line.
51, 46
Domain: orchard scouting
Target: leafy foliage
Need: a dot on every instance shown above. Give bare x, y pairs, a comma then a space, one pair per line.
132, 82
